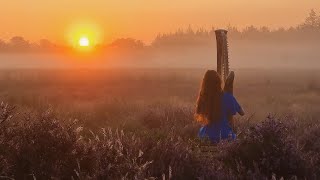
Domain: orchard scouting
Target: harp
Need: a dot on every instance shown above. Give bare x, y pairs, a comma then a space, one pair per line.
223, 65
223, 68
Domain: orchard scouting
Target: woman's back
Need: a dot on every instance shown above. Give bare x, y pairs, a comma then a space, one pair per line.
221, 129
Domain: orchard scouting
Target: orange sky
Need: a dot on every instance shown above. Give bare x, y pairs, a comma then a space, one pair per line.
142, 19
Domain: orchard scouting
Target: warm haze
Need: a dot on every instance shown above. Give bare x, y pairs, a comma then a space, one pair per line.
159, 89
142, 19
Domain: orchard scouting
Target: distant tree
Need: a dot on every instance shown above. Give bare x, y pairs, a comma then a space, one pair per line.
212, 31
312, 21
46, 44
3, 45
234, 32
18, 43
201, 32
232, 29
265, 29
281, 30
127, 43
312, 18
179, 32
251, 32
292, 29
189, 31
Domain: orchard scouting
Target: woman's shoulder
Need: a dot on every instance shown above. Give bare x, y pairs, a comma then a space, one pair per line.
227, 95
228, 98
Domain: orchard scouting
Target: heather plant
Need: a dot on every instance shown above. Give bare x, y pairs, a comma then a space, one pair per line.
6, 113
111, 155
311, 139
265, 149
39, 146
42, 145
310, 142
172, 157
163, 119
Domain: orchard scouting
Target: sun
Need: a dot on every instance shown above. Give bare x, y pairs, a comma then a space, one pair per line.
84, 42
84, 36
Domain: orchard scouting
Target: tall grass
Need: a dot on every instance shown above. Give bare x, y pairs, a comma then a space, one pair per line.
141, 127
42, 146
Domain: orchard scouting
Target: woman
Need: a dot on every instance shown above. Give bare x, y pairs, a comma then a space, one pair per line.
214, 108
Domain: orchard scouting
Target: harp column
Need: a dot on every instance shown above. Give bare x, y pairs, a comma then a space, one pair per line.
222, 53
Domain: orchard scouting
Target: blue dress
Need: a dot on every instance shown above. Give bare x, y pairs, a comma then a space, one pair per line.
222, 129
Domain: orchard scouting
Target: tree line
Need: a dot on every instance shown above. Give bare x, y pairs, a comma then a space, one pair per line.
307, 31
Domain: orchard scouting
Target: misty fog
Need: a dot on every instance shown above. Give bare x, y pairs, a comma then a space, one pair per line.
242, 55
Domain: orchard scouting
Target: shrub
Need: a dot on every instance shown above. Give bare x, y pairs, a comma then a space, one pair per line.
164, 119
42, 146
112, 155
38, 146
171, 156
265, 149
310, 142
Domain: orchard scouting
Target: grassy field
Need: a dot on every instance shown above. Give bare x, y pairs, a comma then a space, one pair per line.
138, 124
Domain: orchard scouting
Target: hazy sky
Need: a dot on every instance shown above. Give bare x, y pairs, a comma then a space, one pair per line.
142, 19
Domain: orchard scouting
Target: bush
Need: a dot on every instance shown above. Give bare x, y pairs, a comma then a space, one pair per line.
112, 155
42, 146
38, 146
265, 149
163, 119
172, 157
310, 142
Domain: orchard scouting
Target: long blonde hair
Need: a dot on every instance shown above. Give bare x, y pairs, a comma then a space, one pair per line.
208, 107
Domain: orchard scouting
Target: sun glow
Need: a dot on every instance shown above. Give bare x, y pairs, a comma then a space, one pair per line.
84, 36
